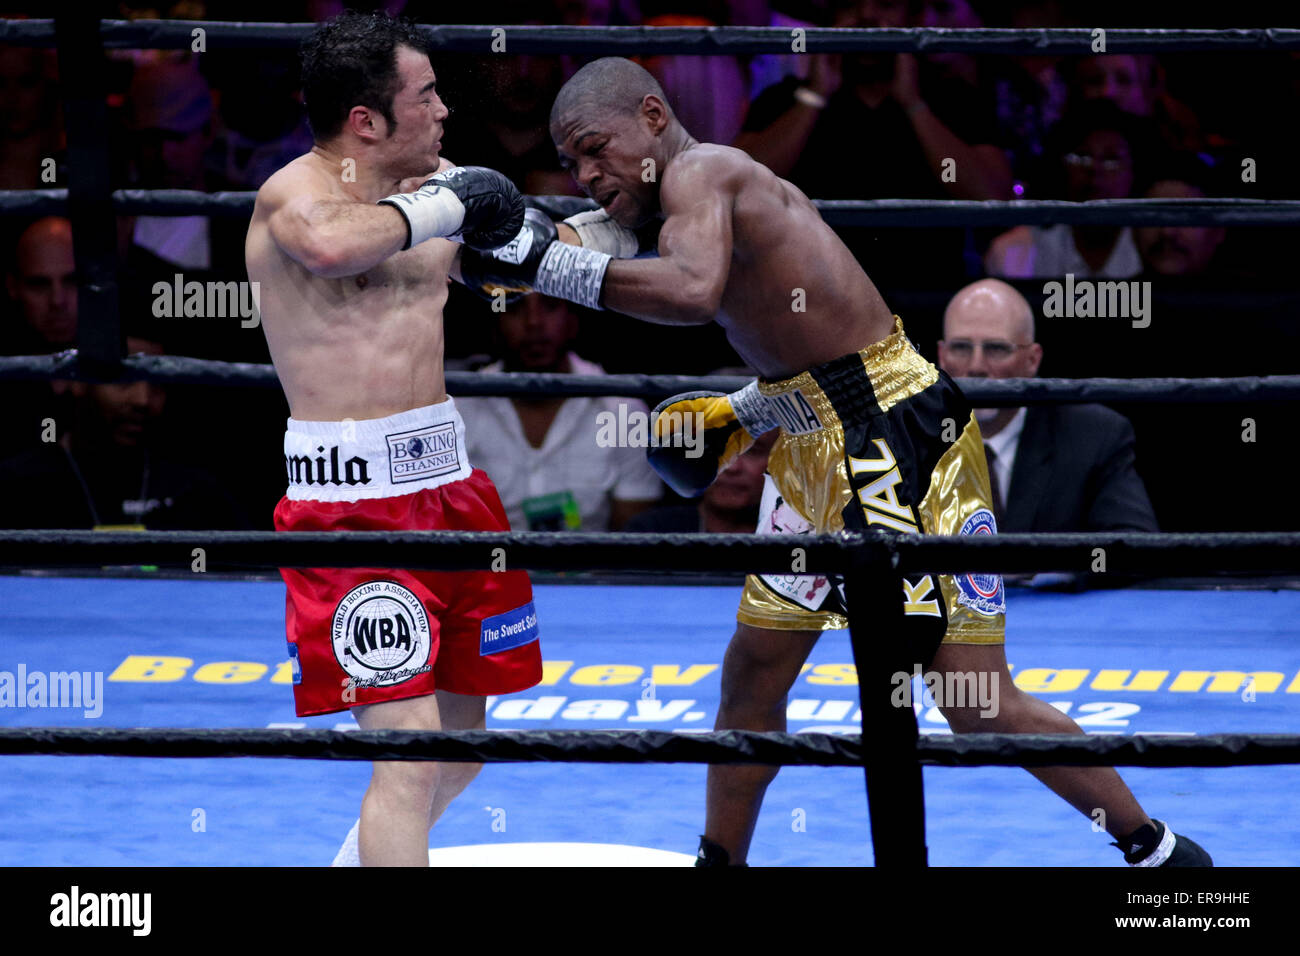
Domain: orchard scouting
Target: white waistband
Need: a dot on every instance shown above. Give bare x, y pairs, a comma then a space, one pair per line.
375, 457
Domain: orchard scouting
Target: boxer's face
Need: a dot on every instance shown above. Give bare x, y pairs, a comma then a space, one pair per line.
611, 157
415, 139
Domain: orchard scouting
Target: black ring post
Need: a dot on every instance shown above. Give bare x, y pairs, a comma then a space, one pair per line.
895, 790
82, 82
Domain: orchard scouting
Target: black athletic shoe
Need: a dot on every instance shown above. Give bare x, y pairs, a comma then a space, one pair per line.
713, 854
1187, 852
1178, 850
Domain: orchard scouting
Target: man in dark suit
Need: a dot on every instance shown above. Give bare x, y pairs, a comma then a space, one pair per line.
1054, 468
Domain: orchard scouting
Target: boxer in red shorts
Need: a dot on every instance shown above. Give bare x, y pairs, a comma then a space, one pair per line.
349, 249
363, 635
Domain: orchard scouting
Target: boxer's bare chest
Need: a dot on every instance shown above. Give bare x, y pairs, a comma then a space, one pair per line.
414, 272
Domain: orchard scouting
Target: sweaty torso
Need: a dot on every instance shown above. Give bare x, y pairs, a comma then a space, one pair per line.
360, 346
795, 296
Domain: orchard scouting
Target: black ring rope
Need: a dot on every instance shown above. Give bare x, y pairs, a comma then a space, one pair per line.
1144, 553
1007, 392
655, 746
178, 34
836, 212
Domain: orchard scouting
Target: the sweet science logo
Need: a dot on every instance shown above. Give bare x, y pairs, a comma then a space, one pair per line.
509, 630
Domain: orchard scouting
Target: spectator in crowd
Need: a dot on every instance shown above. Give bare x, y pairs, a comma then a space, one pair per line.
709, 94
871, 125
951, 15
262, 122
728, 506
42, 281
1030, 92
768, 69
1053, 468
558, 464
108, 471
1136, 84
1097, 152
501, 121
168, 114
808, 131
31, 134
1182, 251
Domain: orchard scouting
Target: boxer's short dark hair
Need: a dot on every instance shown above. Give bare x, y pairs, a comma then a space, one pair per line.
351, 60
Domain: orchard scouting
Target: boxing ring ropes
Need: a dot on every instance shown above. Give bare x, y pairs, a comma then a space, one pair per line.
890, 750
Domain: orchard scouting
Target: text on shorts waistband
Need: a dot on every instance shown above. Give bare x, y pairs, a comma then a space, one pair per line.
870, 381
375, 458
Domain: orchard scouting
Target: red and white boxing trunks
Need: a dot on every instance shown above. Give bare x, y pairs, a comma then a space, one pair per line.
363, 635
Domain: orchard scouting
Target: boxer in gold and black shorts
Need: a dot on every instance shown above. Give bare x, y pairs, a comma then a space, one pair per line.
878, 439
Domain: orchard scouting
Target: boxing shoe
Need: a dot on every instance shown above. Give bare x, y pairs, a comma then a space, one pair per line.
1160, 846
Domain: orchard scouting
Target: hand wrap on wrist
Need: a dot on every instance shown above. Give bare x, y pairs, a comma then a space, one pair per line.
573, 273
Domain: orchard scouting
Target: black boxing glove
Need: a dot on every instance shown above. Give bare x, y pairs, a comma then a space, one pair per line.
536, 261
471, 204
697, 435
595, 228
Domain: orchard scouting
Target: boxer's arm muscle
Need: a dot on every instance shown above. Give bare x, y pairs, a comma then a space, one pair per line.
684, 285
333, 238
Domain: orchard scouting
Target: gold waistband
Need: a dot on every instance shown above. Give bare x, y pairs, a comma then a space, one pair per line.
895, 370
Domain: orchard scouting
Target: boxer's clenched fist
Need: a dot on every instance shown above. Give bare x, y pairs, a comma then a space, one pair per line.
473, 204
536, 261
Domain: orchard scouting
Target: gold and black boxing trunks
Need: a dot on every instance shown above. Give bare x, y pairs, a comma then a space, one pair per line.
878, 439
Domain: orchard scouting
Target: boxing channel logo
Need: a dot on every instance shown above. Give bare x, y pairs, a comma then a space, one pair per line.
423, 453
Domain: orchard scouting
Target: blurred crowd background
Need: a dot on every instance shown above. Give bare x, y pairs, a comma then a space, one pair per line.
839, 127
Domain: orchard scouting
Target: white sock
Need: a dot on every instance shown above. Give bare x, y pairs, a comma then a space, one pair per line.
350, 853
